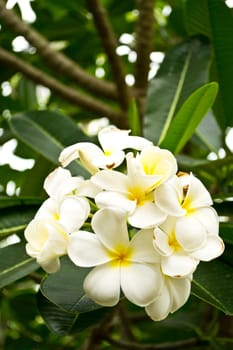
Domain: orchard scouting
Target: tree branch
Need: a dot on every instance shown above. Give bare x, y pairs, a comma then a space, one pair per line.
106, 34
54, 59
69, 94
144, 44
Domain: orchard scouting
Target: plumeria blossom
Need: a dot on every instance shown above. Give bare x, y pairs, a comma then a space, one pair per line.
150, 227
46, 241
174, 294
186, 198
179, 256
120, 264
110, 155
133, 191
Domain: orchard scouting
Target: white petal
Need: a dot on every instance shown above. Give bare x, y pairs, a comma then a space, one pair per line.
143, 250
197, 194
110, 161
50, 266
141, 283
213, 248
190, 233
31, 234
85, 249
119, 200
48, 209
168, 197
55, 179
180, 289
102, 285
110, 226
88, 152
178, 265
112, 138
73, 212
160, 308
136, 142
111, 180
146, 216
88, 189
158, 161
208, 217
160, 242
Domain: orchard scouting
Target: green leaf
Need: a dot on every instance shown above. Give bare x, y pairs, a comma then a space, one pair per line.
15, 264
214, 19
226, 232
213, 283
189, 116
47, 132
134, 119
65, 288
58, 320
184, 69
197, 17
15, 219
209, 133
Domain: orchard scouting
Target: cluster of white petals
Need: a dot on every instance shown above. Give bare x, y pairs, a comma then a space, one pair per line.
149, 226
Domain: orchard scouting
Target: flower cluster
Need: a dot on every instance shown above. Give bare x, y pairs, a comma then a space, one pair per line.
147, 225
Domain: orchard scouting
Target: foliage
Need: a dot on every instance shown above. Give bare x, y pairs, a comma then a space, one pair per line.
186, 106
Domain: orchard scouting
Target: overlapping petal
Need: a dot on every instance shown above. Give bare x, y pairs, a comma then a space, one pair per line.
141, 283
173, 295
102, 284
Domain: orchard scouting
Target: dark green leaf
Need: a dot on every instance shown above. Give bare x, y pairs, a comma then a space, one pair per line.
188, 117
184, 69
65, 288
15, 264
214, 19
15, 219
213, 283
58, 320
47, 133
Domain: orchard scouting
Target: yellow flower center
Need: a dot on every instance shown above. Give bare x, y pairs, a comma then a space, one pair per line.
136, 193
121, 255
173, 243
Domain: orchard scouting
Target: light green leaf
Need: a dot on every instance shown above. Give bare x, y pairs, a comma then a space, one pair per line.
15, 264
188, 117
65, 288
134, 119
184, 69
47, 133
213, 283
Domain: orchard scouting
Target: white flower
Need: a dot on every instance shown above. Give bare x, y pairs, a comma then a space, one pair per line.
47, 241
181, 252
120, 264
174, 294
186, 198
60, 183
112, 140
71, 212
134, 192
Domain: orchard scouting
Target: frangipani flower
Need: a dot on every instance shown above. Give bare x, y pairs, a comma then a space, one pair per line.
112, 140
60, 183
120, 264
47, 241
174, 294
134, 192
186, 198
179, 255
71, 212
